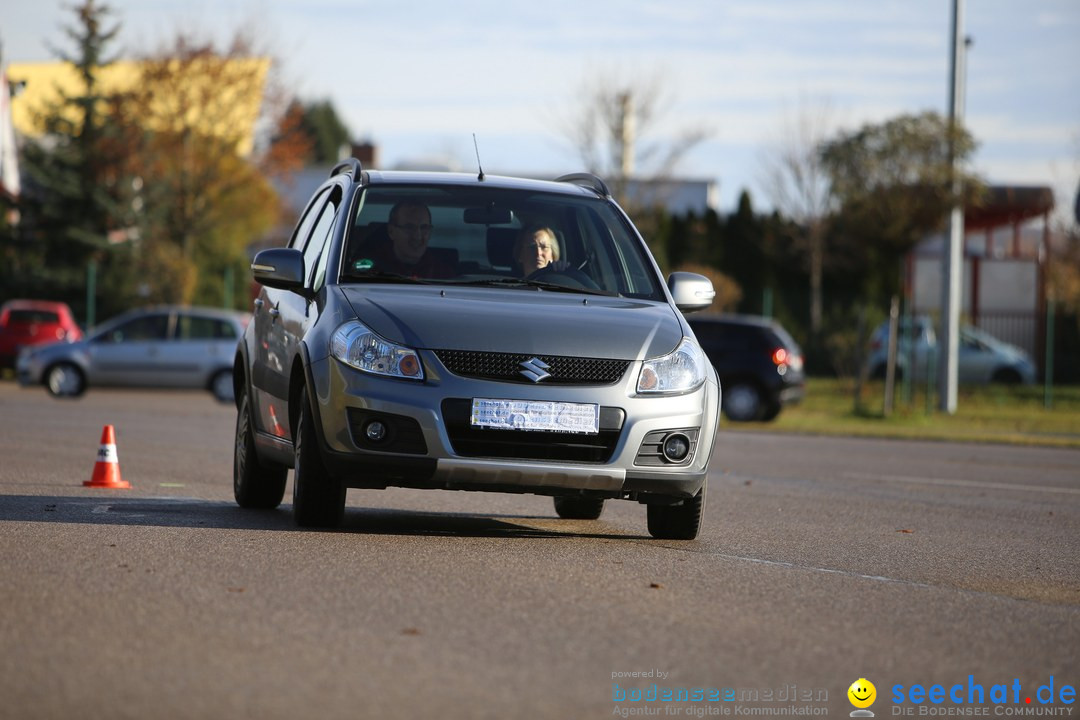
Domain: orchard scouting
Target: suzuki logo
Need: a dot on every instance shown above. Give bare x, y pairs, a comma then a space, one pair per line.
535, 369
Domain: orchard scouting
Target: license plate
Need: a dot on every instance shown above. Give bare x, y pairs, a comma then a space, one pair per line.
538, 415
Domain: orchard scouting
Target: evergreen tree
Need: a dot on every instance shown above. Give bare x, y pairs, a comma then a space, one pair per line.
744, 254
76, 190
326, 130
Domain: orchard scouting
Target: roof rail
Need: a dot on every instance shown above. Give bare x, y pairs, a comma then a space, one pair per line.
587, 180
350, 165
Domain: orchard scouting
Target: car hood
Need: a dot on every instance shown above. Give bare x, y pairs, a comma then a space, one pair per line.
57, 348
523, 321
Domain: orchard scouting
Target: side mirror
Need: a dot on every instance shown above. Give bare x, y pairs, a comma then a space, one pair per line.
281, 268
691, 292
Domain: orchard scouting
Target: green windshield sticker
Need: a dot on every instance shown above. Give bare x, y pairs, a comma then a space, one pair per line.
363, 264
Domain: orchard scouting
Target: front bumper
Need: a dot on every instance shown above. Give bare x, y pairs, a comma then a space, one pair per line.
429, 450
792, 394
28, 370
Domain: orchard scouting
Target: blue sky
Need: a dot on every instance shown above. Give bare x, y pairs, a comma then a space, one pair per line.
418, 78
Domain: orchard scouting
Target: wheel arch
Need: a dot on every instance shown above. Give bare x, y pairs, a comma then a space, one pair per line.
741, 378
240, 374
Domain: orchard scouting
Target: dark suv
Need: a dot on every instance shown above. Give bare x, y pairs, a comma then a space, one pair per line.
472, 332
759, 364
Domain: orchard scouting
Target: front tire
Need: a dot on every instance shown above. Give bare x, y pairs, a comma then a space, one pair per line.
318, 498
65, 380
579, 508
681, 521
255, 485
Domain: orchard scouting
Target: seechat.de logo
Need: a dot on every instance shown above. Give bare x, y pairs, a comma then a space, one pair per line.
862, 695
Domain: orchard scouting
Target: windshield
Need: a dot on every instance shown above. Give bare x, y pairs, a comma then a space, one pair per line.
499, 237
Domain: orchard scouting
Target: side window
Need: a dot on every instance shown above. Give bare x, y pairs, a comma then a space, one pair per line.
310, 216
149, 327
316, 252
198, 327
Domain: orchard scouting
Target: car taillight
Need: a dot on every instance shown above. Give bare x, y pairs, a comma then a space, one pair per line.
784, 360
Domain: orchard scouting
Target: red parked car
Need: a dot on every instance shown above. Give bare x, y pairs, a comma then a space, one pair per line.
33, 322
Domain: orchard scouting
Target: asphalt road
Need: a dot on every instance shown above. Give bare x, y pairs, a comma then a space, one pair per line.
822, 561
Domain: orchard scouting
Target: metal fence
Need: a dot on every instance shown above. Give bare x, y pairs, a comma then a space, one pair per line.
1018, 328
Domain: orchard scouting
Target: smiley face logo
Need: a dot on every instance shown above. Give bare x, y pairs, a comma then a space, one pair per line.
862, 693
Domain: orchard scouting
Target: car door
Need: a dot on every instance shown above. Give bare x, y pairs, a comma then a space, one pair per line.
921, 351
281, 317
975, 361
201, 345
134, 352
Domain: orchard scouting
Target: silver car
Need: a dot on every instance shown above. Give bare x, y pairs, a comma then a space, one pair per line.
399, 340
981, 357
163, 347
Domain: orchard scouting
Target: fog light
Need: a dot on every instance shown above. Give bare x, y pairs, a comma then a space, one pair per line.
375, 431
676, 447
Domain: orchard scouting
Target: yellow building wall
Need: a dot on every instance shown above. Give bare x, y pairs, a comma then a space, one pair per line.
235, 113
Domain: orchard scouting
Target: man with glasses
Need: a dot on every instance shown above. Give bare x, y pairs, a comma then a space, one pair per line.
407, 253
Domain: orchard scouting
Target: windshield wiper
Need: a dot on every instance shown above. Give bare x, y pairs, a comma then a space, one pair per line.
538, 284
381, 276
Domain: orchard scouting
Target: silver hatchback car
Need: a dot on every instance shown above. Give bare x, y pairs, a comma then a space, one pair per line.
464, 332
166, 346
982, 358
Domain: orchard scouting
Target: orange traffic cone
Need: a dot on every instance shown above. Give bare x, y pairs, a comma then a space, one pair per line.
107, 468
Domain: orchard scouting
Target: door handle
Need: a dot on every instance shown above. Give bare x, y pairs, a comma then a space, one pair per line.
274, 312
258, 303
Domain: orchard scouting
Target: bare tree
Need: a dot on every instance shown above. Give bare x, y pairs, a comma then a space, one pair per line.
797, 184
614, 129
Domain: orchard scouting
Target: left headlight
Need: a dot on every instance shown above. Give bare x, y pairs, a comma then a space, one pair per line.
679, 371
357, 346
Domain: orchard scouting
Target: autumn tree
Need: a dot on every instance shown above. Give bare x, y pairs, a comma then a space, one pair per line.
290, 146
203, 198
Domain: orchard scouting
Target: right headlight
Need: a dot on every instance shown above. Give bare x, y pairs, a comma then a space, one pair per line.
680, 371
357, 346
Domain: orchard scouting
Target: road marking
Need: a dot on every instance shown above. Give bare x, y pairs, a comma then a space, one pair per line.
946, 482
873, 578
806, 568
812, 568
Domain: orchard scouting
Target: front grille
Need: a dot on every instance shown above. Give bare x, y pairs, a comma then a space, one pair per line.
469, 441
507, 367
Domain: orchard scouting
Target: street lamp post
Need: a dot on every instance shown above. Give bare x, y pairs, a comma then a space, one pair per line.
953, 261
